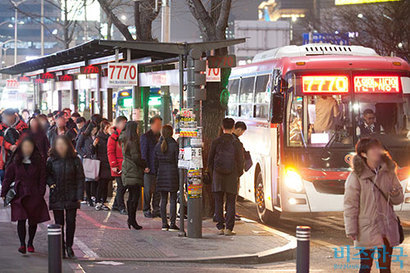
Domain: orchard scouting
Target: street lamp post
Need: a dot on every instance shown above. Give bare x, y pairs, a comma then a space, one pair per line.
16, 4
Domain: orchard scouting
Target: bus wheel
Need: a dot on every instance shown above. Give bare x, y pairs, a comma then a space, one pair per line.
266, 216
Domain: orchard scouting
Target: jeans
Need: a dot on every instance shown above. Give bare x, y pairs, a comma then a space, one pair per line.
384, 258
172, 207
230, 206
102, 190
151, 194
119, 197
134, 194
21, 231
70, 215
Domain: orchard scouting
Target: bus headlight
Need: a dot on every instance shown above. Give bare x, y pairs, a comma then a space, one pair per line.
293, 181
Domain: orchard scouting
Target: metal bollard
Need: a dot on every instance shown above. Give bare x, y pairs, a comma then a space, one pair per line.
54, 249
303, 249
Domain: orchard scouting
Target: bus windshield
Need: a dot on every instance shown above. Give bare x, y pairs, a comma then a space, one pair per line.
340, 120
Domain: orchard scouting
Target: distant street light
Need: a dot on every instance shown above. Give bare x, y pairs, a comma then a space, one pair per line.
123, 17
360, 15
400, 45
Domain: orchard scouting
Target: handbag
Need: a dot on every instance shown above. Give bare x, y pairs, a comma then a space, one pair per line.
91, 168
400, 227
10, 194
248, 161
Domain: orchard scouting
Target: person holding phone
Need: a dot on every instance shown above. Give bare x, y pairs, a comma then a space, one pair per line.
371, 190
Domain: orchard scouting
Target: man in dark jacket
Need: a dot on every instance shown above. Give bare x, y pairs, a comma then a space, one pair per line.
115, 158
69, 121
148, 142
60, 128
226, 161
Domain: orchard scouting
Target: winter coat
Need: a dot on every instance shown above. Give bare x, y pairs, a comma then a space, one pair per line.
114, 152
101, 154
166, 166
52, 134
148, 142
30, 186
226, 182
366, 213
85, 147
67, 175
133, 165
41, 140
6, 140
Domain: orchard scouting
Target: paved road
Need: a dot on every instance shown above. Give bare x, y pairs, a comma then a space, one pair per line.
327, 233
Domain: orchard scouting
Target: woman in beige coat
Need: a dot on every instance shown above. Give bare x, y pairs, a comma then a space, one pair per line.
369, 219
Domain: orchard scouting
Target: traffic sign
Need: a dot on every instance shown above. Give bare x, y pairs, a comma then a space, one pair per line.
221, 61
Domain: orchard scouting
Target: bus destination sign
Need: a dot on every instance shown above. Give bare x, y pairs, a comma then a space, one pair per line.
325, 84
376, 84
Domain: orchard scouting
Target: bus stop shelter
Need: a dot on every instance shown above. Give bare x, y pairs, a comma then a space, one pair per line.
60, 73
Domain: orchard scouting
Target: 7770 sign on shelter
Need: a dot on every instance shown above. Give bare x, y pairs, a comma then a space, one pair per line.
122, 74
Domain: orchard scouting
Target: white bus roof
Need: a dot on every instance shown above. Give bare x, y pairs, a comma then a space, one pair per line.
313, 49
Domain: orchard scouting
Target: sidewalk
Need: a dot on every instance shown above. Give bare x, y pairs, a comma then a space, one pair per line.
105, 236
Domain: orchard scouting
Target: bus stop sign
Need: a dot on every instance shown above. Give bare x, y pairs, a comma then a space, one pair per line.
221, 61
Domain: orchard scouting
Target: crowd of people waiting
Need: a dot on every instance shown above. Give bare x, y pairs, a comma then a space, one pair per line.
61, 149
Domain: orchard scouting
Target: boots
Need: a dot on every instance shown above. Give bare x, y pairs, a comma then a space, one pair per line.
132, 212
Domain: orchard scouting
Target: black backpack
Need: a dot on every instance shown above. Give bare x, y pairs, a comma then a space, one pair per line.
224, 162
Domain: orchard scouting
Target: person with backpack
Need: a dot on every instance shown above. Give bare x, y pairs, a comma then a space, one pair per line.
12, 128
225, 163
166, 166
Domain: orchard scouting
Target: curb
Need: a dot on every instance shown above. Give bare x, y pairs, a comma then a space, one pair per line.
282, 253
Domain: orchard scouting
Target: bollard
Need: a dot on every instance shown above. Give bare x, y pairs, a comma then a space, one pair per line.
303, 249
54, 249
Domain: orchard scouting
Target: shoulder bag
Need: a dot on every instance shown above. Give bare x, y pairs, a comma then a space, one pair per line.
400, 227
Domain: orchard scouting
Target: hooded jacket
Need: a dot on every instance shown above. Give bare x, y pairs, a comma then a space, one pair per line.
133, 165
367, 214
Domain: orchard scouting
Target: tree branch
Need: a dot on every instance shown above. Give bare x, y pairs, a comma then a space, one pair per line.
120, 25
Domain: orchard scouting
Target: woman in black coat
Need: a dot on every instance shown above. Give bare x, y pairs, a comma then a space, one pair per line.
100, 149
65, 177
28, 171
166, 166
85, 148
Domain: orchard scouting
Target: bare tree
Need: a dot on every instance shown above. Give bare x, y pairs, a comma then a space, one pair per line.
383, 26
144, 15
212, 21
63, 19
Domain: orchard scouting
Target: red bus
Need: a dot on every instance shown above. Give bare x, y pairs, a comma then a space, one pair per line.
306, 107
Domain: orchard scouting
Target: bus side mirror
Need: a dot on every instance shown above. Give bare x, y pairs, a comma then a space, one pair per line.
277, 107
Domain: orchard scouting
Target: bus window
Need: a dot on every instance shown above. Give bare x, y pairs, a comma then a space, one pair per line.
233, 97
295, 134
246, 97
262, 97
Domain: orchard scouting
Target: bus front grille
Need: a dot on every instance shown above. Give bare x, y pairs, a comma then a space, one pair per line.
330, 186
